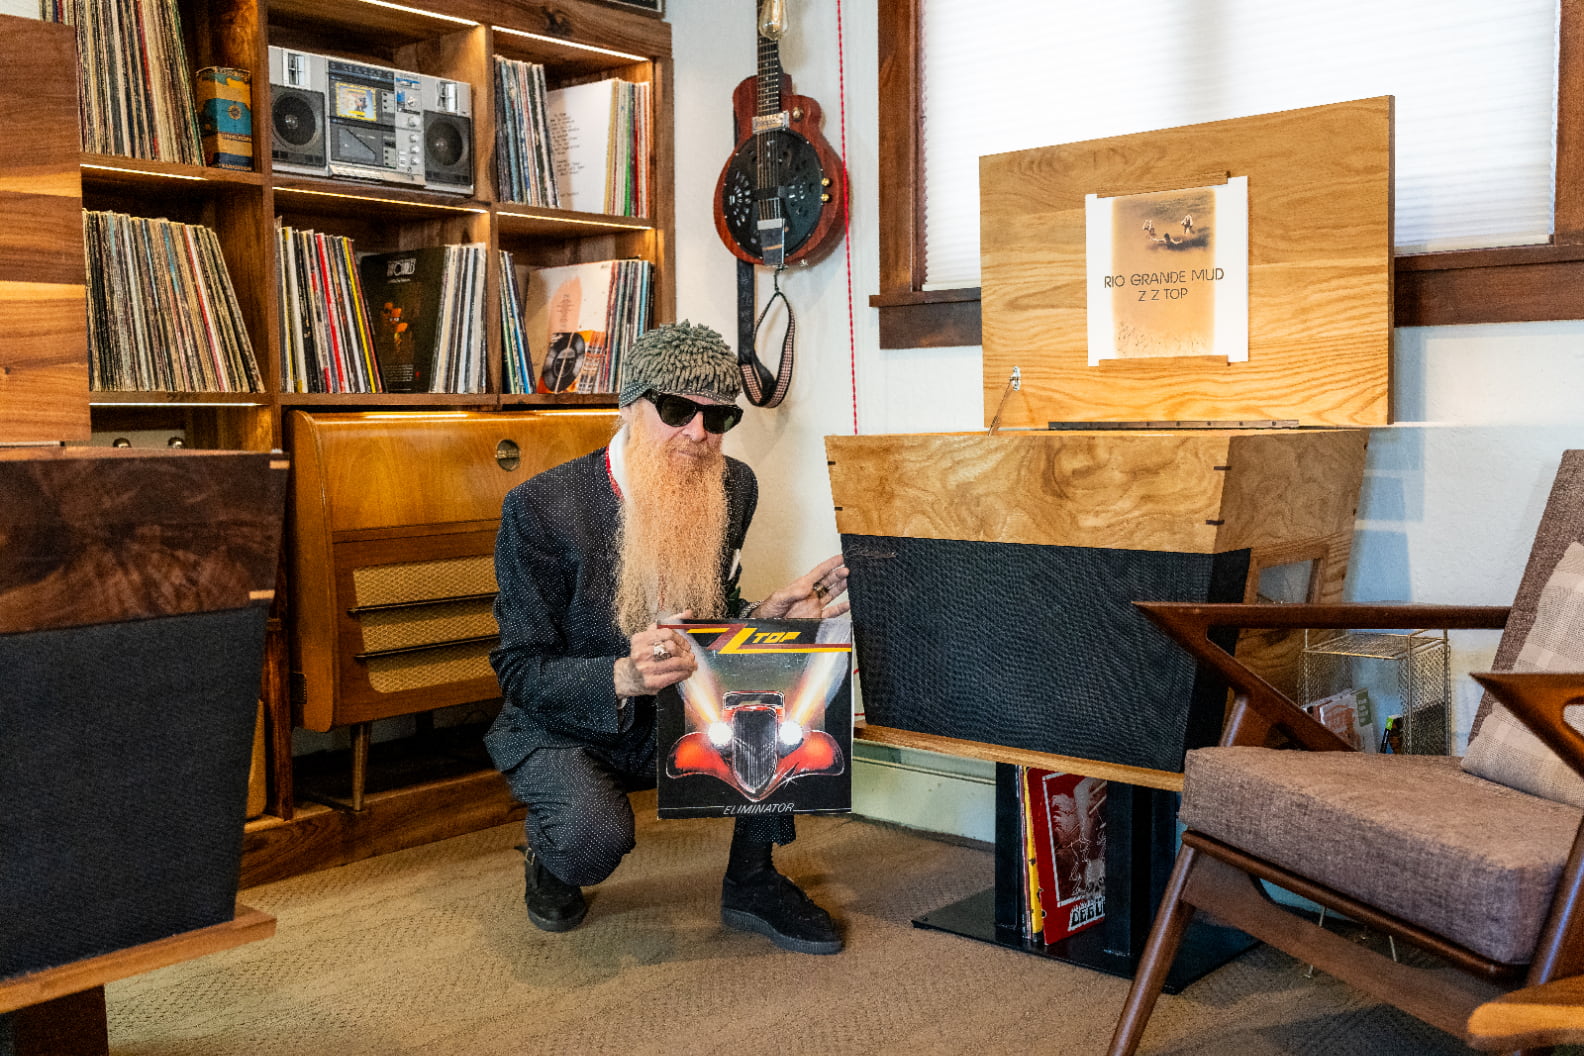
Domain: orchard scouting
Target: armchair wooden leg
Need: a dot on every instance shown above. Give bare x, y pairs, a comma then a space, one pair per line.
1166, 934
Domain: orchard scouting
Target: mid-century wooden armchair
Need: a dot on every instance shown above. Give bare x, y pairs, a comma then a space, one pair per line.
1484, 877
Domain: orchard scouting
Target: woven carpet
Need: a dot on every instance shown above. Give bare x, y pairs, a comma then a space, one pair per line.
428, 951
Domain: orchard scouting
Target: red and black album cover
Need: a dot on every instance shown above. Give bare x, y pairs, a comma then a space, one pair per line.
1069, 820
764, 726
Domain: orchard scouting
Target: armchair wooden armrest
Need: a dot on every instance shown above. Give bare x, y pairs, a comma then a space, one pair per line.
1548, 1014
1540, 700
1259, 706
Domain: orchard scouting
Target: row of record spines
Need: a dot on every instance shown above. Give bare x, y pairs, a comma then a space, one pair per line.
135, 90
628, 317
162, 313
459, 355
627, 163
517, 357
327, 337
524, 164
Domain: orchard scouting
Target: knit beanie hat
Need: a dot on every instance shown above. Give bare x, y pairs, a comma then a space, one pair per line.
681, 359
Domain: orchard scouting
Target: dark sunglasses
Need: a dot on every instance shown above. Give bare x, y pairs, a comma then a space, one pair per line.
677, 411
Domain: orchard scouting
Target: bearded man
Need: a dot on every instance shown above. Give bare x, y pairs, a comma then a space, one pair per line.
592, 555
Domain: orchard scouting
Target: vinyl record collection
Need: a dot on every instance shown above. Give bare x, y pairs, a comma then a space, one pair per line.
626, 159
459, 347
162, 314
327, 339
136, 86
581, 318
514, 338
584, 147
428, 311
523, 172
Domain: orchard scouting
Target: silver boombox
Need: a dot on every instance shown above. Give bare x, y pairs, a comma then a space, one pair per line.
350, 120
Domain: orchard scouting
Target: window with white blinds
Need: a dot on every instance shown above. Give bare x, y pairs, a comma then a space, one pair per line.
1474, 81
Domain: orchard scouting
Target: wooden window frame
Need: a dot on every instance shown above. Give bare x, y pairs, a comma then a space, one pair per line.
1502, 285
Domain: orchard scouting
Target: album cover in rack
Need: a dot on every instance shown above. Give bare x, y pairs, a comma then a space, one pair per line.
1069, 821
405, 295
764, 726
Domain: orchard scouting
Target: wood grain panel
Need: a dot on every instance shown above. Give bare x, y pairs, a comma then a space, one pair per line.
1290, 485
1131, 491
1320, 272
108, 535
43, 241
901, 193
44, 362
44, 358
385, 470
38, 80
930, 324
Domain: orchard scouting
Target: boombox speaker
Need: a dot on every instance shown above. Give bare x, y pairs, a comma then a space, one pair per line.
297, 126
448, 153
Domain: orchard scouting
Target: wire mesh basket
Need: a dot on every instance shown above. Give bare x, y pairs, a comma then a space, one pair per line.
1405, 678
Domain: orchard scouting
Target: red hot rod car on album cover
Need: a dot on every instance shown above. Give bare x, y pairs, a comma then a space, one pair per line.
764, 725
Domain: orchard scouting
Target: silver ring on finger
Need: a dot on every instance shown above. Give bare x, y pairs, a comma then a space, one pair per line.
660, 652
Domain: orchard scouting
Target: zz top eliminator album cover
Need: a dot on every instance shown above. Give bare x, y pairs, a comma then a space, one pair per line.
764, 726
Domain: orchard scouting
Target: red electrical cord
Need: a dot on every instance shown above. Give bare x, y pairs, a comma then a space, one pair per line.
852, 338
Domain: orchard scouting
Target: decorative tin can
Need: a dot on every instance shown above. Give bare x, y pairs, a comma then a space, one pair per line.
225, 116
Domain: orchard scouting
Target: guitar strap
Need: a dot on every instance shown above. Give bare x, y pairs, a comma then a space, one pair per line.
763, 388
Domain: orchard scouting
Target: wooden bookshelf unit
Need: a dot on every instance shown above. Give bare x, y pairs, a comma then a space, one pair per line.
578, 41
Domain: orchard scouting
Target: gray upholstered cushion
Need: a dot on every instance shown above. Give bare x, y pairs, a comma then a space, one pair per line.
1414, 836
1504, 750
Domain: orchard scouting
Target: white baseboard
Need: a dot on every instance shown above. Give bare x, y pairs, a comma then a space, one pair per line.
923, 790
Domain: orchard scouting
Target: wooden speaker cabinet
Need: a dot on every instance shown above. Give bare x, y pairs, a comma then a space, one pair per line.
393, 577
994, 573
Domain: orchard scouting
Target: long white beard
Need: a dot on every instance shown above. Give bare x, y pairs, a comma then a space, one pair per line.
673, 530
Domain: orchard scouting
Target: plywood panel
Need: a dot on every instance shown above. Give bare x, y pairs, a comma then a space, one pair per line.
1291, 485
1320, 294
1130, 491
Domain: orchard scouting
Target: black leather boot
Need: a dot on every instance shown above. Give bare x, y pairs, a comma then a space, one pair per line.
553, 904
773, 906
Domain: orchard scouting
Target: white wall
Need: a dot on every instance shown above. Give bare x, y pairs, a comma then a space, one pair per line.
1452, 494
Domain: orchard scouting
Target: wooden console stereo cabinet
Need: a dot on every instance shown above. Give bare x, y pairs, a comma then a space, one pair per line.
993, 574
393, 546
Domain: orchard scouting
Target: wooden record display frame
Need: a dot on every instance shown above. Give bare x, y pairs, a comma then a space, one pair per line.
1320, 272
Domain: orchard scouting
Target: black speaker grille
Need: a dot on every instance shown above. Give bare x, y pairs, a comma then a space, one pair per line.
124, 752
1035, 647
295, 120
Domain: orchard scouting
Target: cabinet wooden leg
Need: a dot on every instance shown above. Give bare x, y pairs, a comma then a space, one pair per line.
362, 734
73, 1025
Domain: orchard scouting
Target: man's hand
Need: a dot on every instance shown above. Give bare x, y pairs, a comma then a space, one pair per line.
656, 659
809, 597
